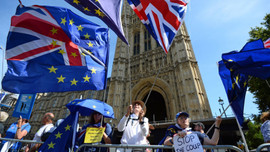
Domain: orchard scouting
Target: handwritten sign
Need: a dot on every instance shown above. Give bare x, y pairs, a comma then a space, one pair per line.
93, 134
189, 143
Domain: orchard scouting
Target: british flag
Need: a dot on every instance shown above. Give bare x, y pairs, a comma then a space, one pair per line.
162, 18
267, 43
47, 47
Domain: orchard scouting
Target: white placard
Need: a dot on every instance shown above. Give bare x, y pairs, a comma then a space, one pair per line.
189, 143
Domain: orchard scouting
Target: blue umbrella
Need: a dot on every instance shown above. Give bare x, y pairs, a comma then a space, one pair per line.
87, 106
108, 111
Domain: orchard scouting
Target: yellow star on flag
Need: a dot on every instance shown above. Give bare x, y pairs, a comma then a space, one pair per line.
51, 145
93, 70
108, 112
58, 135
97, 1
94, 106
86, 9
54, 43
83, 54
230, 60
52, 69
86, 36
71, 22
61, 79
63, 21
245, 83
29, 97
102, 14
233, 85
80, 28
97, 11
76, 2
90, 44
61, 51
54, 31
67, 127
74, 82
86, 78
74, 54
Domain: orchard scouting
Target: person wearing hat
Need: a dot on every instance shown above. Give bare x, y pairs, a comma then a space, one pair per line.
198, 126
134, 125
181, 128
3, 118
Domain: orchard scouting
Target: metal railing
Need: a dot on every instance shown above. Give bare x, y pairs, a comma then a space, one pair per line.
260, 148
152, 148
145, 148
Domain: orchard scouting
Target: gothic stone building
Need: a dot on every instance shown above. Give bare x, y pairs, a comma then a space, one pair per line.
178, 83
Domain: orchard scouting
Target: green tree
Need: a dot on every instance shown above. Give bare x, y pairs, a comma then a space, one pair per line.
253, 136
258, 87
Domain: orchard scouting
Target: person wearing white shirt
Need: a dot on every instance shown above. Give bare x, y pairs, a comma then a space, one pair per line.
134, 125
47, 120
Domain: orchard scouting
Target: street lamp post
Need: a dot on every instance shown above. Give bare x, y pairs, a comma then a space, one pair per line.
220, 101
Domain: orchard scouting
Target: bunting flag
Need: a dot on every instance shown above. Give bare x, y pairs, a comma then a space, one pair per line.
162, 18
51, 49
253, 60
109, 11
61, 138
235, 86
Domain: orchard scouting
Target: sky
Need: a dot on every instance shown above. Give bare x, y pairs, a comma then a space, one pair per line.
214, 26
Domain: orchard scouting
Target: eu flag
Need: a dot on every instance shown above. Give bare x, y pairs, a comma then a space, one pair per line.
109, 11
253, 60
235, 85
61, 138
51, 49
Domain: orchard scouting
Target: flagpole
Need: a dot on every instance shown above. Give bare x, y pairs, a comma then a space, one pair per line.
242, 134
3, 61
220, 116
74, 130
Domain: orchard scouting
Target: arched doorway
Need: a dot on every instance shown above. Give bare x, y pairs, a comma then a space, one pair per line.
156, 108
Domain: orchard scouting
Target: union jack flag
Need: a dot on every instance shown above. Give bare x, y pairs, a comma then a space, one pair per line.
162, 18
47, 47
267, 43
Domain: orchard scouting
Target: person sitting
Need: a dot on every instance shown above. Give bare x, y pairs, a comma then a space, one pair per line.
16, 130
95, 121
265, 128
47, 122
134, 125
182, 129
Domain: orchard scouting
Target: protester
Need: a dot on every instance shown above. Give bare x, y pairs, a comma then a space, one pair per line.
265, 128
16, 130
95, 121
182, 129
47, 122
198, 126
3, 118
134, 125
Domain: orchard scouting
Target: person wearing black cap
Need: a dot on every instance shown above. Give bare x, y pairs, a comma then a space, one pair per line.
181, 128
134, 124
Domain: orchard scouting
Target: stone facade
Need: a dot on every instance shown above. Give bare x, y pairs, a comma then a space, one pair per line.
178, 83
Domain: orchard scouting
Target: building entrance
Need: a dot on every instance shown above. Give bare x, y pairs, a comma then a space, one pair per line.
156, 108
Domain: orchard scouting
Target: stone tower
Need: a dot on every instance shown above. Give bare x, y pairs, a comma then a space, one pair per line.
178, 86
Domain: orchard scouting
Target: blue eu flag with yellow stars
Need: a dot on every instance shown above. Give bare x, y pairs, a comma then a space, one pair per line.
61, 138
253, 60
235, 85
51, 49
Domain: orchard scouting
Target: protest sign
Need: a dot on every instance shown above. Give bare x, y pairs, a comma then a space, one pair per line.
93, 134
24, 106
189, 143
